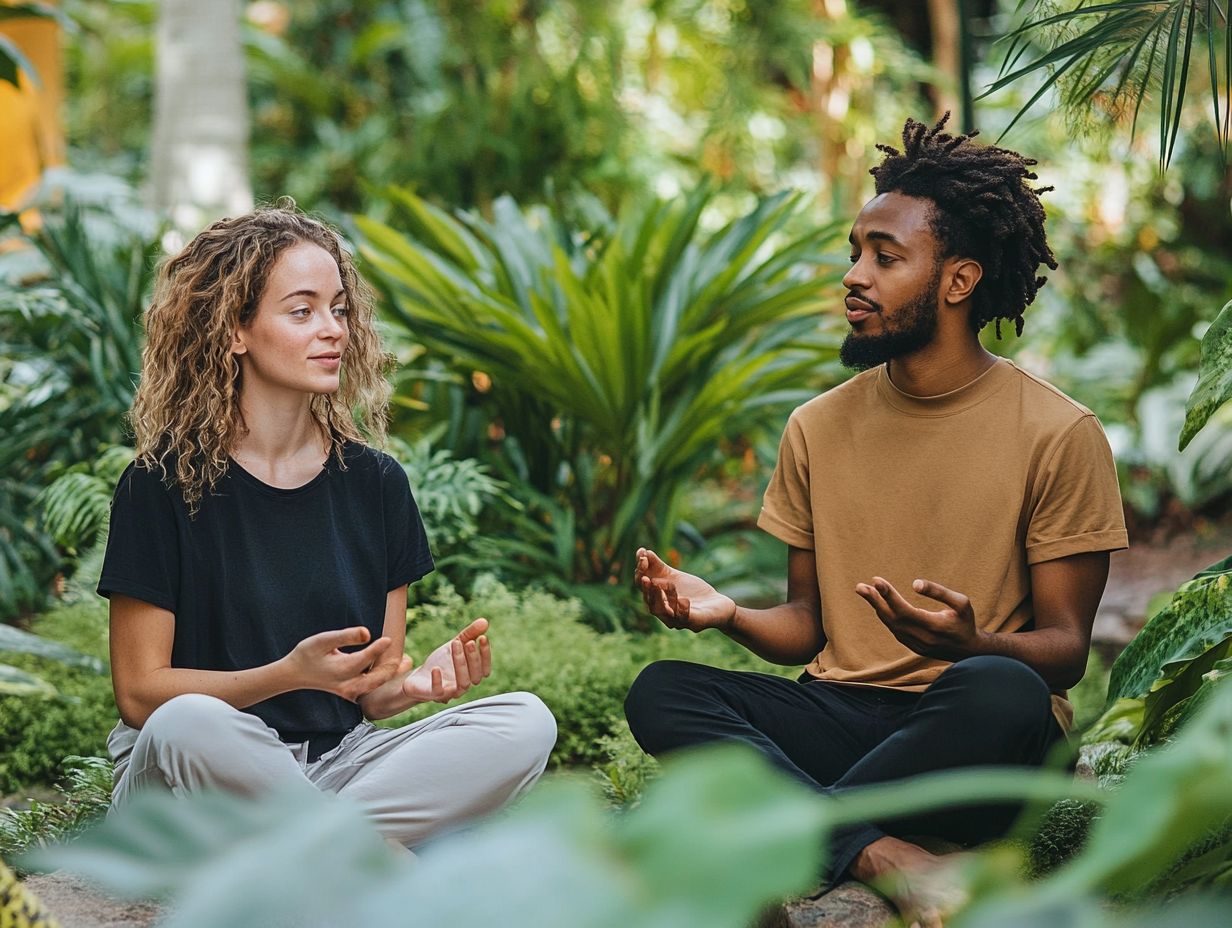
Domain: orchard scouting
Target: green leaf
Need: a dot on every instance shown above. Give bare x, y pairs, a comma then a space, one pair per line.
294, 857
1198, 618
1170, 798
1169, 701
15, 640
13, 61
1214, 387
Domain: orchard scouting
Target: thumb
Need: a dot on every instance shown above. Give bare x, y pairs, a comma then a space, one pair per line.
342, 637
655, 566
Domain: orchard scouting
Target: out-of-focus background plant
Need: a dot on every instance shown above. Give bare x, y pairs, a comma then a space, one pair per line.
607, 237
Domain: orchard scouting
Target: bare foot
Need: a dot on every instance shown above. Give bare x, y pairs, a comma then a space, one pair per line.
922, 885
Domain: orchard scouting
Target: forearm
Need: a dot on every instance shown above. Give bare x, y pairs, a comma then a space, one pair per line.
239, 688
789, 633
1059, 655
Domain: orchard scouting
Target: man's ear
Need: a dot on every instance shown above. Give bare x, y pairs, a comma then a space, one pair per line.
964, 274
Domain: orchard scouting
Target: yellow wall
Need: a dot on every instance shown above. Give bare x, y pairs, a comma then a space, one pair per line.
33, 138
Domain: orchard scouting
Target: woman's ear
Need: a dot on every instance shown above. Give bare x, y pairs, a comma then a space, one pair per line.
237, 344
964, 275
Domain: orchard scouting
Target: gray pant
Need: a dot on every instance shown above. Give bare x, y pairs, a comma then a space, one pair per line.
414, 782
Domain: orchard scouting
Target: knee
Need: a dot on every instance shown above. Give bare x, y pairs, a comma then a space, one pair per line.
189, 715
656, 699
532, 728
1000, 691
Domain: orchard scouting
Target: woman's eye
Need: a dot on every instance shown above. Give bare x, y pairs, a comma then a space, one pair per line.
339, 311
300, 311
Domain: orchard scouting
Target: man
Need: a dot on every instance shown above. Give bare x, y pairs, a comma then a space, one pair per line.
948, 518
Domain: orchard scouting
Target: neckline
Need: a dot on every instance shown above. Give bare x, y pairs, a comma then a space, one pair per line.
234, 466
955, 401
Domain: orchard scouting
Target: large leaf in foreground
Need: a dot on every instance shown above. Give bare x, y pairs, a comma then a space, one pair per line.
1214, 387
1198, 618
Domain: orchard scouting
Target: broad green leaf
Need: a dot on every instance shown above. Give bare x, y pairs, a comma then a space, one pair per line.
1198, 618
1214, 387
293, 857
15, 640
1170, 700
1169, 799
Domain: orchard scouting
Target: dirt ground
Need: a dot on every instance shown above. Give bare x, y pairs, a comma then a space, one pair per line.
1149, 567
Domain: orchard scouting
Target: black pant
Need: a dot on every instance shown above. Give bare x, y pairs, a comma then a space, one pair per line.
981, 711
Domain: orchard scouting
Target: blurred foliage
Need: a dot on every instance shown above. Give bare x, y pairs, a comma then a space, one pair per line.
467, 101
611, 360
716, 838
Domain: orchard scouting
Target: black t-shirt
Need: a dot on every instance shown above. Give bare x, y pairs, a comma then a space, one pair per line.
259, 568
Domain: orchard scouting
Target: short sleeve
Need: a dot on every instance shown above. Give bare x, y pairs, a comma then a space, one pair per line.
143, 547
786, 511
1076, 506
406, 540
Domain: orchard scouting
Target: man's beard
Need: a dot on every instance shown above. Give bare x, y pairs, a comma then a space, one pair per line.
914, 325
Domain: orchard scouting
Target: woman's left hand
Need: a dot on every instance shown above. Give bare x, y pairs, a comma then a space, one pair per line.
453, 668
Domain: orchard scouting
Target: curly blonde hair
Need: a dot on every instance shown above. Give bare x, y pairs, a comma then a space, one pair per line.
187, 406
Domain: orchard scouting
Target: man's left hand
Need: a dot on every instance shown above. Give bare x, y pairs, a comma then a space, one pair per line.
949, 634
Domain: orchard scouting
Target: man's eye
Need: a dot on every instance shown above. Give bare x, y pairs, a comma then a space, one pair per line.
884, 259
853, 258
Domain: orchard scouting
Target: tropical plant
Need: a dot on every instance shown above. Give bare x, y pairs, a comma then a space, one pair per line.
1110, 57
611, 361
12, 59
70, 339
84, 794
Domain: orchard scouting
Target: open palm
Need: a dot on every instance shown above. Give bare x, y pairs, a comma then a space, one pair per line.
453, 668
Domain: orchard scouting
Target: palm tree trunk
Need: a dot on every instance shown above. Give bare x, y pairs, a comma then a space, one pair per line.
199, 156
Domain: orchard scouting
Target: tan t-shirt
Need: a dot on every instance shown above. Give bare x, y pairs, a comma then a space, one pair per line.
967, 489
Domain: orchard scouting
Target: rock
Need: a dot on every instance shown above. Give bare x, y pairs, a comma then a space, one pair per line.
77, 904
848, 905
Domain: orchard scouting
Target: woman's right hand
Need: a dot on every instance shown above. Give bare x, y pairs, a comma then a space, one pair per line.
318, 663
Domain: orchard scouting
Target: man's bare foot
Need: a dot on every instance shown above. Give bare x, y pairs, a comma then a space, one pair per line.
921, 884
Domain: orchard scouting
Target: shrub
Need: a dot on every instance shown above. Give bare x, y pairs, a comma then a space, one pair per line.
541, 644
38, 732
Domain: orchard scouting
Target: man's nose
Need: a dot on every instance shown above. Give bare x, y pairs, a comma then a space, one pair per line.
856, 278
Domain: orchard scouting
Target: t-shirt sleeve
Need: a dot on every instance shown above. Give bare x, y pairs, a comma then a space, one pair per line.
786, 512
1077, 503
143, 546
406, 539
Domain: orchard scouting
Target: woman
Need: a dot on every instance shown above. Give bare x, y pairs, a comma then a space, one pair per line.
260, 552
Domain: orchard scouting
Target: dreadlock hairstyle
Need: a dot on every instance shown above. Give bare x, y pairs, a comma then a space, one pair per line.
982, 209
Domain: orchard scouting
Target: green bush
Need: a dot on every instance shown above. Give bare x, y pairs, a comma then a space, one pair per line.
541, 644
38, 732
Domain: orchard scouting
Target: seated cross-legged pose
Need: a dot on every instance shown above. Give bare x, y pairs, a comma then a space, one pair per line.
259, 555
948, 518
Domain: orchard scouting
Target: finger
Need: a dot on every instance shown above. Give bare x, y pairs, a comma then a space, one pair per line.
951, 598
438, 684
654, 565
474, 630
474, 666
673, 601
368, 657
648, 594
343, 637
682, 608
894, 599
461, 673
485, 656
874, 599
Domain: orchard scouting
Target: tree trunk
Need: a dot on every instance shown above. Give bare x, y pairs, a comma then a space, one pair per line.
199, 155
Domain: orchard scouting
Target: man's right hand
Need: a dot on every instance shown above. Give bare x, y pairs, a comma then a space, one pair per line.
680, 600
318, 663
